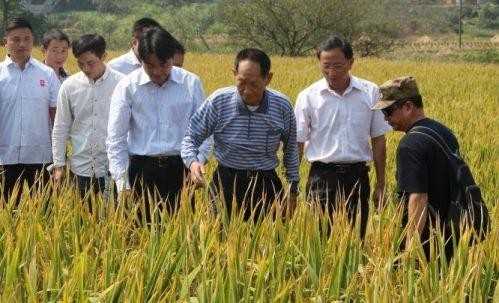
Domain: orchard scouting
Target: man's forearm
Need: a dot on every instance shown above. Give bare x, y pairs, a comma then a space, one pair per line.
301, 147
417, 214
379, 155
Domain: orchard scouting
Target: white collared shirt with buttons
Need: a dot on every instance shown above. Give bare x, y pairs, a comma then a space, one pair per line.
126, 63
82, 116
147, 119
338, 128
25, 98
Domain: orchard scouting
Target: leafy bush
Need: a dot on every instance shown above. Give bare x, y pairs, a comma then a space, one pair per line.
489, 16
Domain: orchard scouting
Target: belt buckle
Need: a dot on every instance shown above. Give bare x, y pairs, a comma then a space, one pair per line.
161, 160
341, 168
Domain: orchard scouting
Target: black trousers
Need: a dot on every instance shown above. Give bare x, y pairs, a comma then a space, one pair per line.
330, 184
163, 176
85, 184
430, 227
22, 173
252, 190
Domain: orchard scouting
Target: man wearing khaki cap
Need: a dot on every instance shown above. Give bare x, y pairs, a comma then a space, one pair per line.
423, 172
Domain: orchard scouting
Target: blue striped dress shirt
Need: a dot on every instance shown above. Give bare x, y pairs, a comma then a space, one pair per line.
245, 139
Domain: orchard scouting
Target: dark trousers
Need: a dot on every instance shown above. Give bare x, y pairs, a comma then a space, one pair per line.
430, 227
253, 190
162, 176
330, 184
22, 173
85, 184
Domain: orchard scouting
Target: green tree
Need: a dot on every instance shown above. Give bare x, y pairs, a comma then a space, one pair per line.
191, 24
9, 9
292, 27
14, 8
488, 15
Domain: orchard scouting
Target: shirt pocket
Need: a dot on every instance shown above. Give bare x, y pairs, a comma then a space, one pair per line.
37, 96
273, 137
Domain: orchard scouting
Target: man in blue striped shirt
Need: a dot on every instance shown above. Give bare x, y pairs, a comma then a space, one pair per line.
248, 122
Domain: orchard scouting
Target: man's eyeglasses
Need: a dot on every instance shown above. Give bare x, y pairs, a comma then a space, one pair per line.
388, 111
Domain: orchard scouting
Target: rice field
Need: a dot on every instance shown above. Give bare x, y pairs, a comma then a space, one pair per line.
52, 249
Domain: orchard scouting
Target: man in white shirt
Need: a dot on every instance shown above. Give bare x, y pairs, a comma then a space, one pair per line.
149, 115
55, 46
130, 62
28, 96
82, 116
334, 126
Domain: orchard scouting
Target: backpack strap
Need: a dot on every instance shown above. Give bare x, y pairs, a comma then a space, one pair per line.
435, 138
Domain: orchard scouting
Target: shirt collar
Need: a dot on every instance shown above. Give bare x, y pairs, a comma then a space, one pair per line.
354, 83
243, 109
175, 76
132, 59
9, 61
100, 80
61, 73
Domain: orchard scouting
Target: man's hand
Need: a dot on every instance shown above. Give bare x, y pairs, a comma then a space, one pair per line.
379, 195
291, 205
197, 173
57, 173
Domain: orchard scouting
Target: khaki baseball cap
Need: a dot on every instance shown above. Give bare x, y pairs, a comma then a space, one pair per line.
398, 89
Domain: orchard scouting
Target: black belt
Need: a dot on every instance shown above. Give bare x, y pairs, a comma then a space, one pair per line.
159, 159
341, 167
247, 172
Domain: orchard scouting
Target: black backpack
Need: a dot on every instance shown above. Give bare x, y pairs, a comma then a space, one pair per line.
466, 205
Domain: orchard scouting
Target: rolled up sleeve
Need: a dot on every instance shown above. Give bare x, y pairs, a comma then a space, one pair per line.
302, 119
379, 126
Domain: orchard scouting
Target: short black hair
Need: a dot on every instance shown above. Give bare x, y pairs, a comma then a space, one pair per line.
159, 42
89, 43
254, 55
335, 41
17, 23
179, 48
416, 100
143, 24
54, 34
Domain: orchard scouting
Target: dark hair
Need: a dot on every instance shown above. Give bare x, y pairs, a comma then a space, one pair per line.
157, 41
254, 55
335, 42
54, 35
416, 100
89, 43
17, 23
143, 24
179, 48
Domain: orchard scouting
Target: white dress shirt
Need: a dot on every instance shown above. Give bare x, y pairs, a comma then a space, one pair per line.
126, 63
337, 128
147, 119
82, 116
25, 98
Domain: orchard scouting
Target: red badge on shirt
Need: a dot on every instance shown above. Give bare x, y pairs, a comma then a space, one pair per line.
42, 83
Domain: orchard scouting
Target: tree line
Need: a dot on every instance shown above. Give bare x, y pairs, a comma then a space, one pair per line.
283, 27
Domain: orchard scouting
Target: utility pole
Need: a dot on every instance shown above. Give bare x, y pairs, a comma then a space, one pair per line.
460, 23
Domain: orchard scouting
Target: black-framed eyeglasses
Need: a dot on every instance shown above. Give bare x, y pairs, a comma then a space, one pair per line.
388, 111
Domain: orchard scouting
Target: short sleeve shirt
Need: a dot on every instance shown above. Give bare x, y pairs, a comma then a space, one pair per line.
422, 166
25, 98
337, 128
